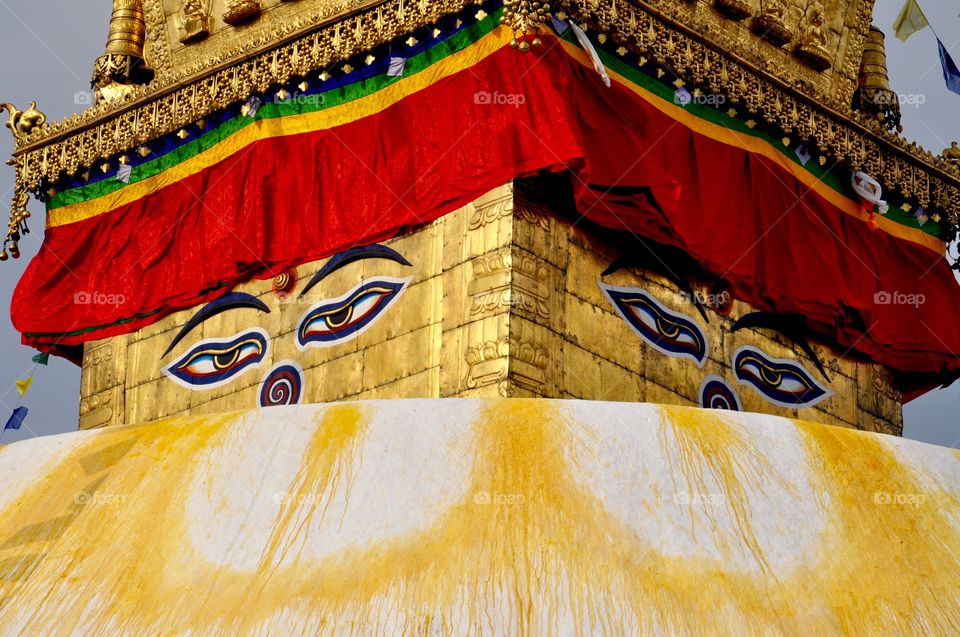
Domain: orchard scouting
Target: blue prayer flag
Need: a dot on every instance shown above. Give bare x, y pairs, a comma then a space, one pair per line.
950, 71
16, 418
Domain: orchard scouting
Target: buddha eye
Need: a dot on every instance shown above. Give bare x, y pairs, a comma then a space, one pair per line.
215, 362
334, 321
668, 332
782, 382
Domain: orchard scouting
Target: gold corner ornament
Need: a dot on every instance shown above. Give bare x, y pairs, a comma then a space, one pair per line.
22, 123
525, 18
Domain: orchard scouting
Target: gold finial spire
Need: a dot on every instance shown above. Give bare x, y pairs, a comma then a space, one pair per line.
874, 95
122, 65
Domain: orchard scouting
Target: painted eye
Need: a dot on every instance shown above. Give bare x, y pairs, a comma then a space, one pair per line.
214, 362
782, 382
668, 332
332, 322
716, 393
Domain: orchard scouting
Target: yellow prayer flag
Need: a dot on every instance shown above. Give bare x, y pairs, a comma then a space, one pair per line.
910, 20
24, 385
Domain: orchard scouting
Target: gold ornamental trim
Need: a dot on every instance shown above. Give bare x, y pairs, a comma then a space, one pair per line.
834, 130
175, 100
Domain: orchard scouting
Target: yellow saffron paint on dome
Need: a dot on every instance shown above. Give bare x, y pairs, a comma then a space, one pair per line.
521, 534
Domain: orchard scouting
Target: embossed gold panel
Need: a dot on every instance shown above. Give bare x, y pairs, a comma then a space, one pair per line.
503, 299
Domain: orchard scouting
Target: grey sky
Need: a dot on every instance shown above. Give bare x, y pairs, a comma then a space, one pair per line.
48, 49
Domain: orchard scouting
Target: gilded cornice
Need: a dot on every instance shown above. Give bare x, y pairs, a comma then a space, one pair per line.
648, 30
834, 130
179, 97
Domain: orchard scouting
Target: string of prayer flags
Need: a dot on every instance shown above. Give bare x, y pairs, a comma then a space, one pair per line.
911, 20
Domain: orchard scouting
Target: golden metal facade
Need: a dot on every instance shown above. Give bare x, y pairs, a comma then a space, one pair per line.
504, 301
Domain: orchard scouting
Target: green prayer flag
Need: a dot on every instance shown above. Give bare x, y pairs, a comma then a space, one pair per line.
41, 359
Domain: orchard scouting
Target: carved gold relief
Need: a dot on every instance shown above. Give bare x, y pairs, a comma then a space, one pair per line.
194, 21
483, 215
238, 11
100, 410
737, 9
771, 23
813, 43
490, 365
101, 385
505, 281
883, 383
